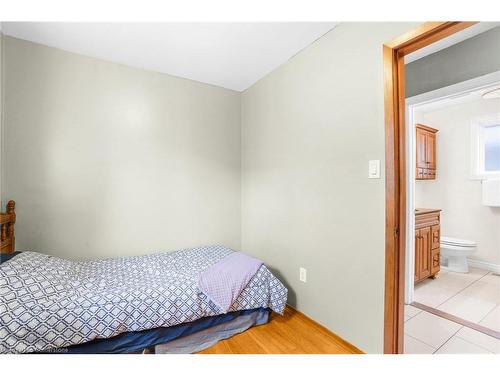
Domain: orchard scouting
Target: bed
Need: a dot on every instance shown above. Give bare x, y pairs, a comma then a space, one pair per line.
120, 305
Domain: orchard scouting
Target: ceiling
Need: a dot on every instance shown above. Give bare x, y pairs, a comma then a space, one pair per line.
230, 55
459, 99
467, 33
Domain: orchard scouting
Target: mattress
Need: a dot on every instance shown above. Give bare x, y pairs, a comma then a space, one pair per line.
48, 303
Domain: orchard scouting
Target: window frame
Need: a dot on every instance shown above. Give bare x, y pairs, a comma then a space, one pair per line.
478, 125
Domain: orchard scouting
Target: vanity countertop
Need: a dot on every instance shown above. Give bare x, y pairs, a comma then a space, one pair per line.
420, 211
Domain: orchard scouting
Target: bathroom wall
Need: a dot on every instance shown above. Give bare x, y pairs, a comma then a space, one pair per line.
469, 59
106, 160
308, 130
453, 191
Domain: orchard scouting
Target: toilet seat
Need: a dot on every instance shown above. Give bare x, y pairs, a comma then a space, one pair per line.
457, 242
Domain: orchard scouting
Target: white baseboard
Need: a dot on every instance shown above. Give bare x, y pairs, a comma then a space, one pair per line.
484, 265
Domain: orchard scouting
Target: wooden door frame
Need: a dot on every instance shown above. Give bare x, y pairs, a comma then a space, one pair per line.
395, 170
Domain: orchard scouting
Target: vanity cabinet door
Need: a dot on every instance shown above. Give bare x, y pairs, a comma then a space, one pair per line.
421, 149
425, 142
418, 250
422, 253
435, 261
425, 254
435, 236
430, 150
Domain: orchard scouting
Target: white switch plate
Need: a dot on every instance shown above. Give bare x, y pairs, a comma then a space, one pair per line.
374, 169
303, 274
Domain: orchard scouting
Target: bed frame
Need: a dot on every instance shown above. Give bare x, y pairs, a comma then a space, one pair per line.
7, 221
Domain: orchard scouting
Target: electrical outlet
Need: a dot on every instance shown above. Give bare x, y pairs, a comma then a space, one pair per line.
303, 274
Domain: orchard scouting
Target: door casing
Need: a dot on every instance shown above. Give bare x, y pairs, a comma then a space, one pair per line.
394, 52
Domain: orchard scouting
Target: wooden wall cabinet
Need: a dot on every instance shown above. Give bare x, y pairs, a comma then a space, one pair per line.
427, 235
425, 139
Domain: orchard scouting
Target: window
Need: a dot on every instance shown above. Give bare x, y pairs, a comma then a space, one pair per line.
486, 147
492, 148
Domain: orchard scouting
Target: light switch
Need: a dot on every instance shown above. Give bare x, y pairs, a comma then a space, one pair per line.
303, 274
374, 169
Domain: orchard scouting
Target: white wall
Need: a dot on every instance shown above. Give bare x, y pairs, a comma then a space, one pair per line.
453, 191
308, 130
106, 160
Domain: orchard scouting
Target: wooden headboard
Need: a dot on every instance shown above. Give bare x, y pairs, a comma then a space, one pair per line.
7, 221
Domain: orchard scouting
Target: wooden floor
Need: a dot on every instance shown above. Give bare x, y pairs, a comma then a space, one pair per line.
292, 333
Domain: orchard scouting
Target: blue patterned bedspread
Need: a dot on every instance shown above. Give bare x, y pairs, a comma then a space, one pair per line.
48, 302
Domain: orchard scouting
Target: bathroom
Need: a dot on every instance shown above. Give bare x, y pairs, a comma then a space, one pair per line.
453, 294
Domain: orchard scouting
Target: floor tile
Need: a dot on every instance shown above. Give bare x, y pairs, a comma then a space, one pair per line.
457, 281
474, 296
411, 310
414, 346
431, 329
477, 271
475, 337
467, 307
432, 295
447, 284
484, 291
491, 278
492, 320
425, 282
456, 345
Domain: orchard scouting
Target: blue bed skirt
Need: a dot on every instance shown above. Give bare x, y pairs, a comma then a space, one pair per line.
133, 342
5, 257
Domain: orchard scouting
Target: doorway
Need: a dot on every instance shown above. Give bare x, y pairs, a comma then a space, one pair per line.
452, 301
395, 170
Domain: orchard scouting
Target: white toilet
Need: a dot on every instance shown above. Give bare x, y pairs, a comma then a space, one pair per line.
454, 253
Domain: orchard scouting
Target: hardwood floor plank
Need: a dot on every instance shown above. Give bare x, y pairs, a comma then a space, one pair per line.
292, 333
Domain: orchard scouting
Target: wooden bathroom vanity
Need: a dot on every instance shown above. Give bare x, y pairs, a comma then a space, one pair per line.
427, 243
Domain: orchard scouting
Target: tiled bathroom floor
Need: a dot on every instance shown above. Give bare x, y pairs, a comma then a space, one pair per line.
474, 297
